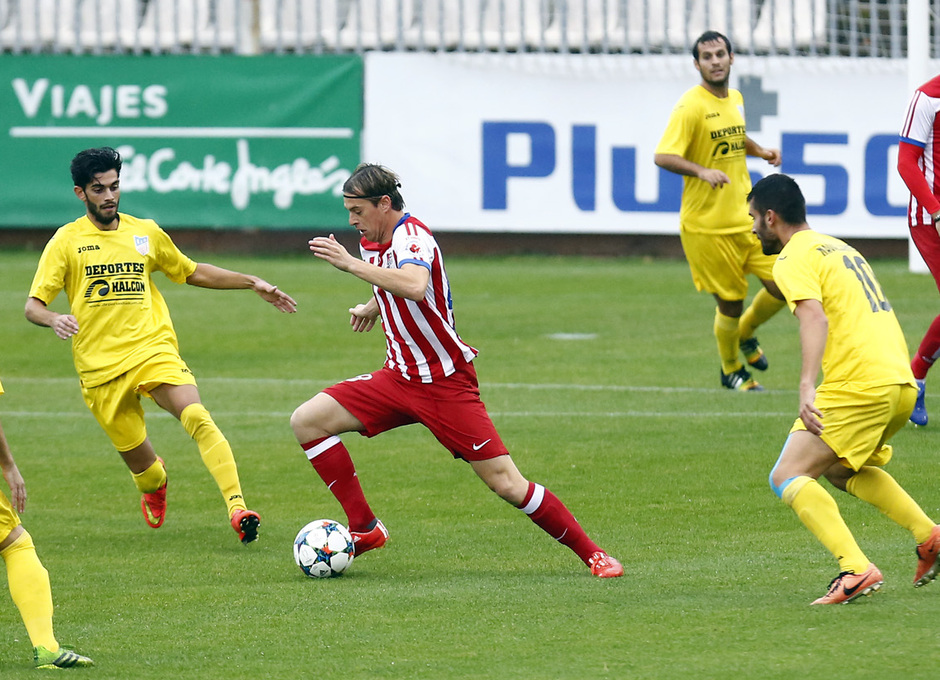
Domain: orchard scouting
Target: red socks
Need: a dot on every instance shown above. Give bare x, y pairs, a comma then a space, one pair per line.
928, 351
331, 460
549, 513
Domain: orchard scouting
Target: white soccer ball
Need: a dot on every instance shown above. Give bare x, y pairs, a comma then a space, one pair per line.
323, 548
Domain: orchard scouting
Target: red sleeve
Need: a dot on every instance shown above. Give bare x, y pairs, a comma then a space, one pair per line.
908, 168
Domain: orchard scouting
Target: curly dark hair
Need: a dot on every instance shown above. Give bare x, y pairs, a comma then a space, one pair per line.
91, 162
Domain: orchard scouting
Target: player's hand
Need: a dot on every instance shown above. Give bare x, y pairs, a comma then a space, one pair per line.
275, 296
809, 414
332, 251
17, 488
715, 178
773, 156
65, 326
362, 318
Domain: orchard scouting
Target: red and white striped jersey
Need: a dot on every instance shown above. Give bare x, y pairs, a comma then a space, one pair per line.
921, 128
421, 340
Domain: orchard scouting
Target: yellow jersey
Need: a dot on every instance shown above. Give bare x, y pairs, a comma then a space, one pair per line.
107, 275
865, 346
710, 131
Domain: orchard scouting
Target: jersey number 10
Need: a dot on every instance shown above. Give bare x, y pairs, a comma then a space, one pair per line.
866, 277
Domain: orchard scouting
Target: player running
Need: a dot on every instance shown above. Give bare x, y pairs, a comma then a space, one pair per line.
850, 333
428, 376
123, 341
705, 142
917, 166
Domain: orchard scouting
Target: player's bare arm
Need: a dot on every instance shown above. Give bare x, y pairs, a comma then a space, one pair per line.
772, 156
814, 328
362, 317
64, 325
681, 166
409, 281
12, 475
210, 276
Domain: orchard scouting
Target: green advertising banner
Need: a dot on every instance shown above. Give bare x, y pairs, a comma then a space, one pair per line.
207, 141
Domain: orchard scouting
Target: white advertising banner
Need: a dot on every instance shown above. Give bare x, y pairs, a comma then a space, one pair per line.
564, 143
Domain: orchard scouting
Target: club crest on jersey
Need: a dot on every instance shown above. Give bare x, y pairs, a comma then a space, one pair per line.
142, 243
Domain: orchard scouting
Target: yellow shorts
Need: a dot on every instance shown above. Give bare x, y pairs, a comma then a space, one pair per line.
859, 423
720, 263
116, 404
9, 520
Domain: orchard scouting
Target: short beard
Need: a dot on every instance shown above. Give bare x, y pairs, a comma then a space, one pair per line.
101, 219
718, 83
771, 247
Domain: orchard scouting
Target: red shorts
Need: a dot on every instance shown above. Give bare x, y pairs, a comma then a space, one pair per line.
927, 241
451, 409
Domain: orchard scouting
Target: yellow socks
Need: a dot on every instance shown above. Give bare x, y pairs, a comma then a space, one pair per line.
762, 307
726, 333
820, 514
150, 479
875, 486
216, 454
30, 589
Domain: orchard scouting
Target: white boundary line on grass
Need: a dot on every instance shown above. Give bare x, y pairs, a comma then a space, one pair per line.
496, 414
509, 386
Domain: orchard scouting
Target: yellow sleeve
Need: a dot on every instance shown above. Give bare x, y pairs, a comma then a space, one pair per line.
796, 276
51, 273
169, 259
680, 130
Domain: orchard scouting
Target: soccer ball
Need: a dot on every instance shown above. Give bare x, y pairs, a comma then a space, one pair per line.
323, 548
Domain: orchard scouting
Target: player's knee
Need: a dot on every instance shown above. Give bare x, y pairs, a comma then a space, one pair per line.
778, 482
773, 483
299, 419
778, 479
195, 417
508, 487
15, 535
500, 486
307, 421
510, 494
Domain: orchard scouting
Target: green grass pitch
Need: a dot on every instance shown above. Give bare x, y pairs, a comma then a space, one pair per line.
602, 378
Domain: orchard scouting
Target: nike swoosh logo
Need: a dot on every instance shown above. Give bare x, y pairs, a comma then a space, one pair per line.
851, 591
477, 447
